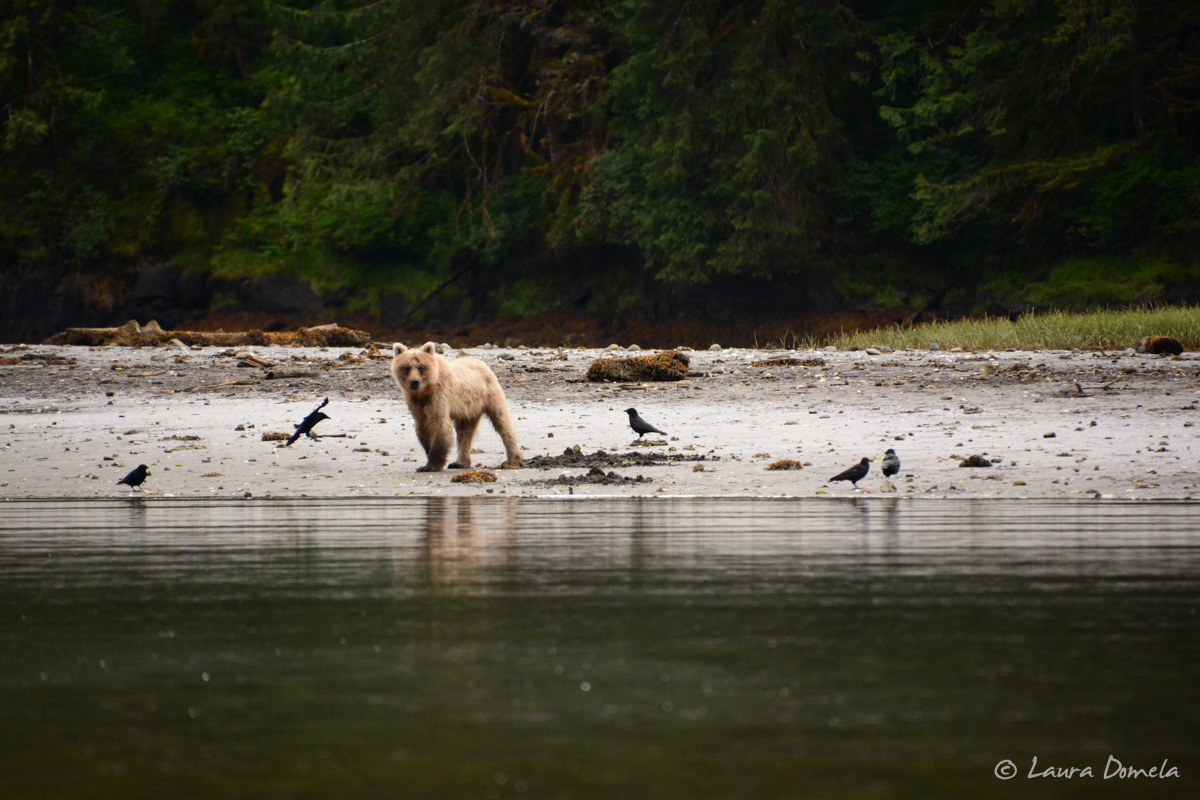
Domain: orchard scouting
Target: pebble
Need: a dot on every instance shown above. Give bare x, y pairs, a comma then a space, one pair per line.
871, 351
714, 347
933, 348
178, 345
830, 349
613, 347
633, 347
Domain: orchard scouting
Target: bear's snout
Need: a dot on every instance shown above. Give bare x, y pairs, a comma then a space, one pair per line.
414, 384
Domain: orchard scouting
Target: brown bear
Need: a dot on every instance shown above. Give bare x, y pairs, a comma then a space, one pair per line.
448, 397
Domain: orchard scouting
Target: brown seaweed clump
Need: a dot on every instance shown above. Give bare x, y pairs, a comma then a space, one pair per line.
474, 476
575, 457
975, 461
596, 476
784, 463
670, 365
1159, 345
132, 334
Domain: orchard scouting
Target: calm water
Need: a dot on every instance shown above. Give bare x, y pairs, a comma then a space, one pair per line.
480, 648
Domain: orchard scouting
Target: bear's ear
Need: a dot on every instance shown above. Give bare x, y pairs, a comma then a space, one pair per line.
429, 347
398, 348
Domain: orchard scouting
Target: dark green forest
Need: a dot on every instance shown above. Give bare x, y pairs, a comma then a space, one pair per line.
423, 162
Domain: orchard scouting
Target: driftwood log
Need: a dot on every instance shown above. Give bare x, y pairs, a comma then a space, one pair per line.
134, 335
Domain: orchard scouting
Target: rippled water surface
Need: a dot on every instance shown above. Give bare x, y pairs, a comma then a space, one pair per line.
445, 648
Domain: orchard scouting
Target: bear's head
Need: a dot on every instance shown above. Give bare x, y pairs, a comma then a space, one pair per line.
415, 369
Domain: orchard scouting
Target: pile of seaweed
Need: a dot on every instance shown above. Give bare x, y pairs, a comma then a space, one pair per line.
475, 476
596, 477
131, 334
670, 365
1159, 345
573, 457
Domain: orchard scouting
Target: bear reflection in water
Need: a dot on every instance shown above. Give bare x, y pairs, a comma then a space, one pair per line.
467, 540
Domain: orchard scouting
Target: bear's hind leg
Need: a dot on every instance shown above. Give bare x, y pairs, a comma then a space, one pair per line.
502, 422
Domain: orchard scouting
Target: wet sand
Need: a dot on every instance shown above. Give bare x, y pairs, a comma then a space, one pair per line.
1053, 424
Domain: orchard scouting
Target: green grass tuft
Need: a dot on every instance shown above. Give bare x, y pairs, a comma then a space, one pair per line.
1055, 330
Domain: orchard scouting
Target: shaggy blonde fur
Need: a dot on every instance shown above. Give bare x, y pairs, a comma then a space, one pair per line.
448, 398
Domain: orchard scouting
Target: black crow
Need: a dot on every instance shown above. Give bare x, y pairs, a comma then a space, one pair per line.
854, 474
891, 463
304, 428
639, 425
135, 479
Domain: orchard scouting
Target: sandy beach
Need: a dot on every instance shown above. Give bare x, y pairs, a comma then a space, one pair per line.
1111, 424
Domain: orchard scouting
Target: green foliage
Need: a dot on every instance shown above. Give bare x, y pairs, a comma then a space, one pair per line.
524, 299
117, 111
1035, 98
435, 131
723, 137
879, 282
366, 147
1088, 283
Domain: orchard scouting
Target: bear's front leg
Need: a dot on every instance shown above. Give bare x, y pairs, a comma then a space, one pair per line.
437, 447
466, 436
436, 457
